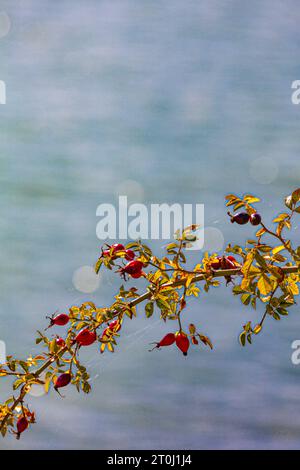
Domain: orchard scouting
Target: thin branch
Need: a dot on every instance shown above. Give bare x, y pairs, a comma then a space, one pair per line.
147, 295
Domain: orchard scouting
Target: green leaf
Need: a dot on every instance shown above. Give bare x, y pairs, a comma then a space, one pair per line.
98, 265
162, 304
242, 338
17, 384
282, 311
149, 308
245, 298
236, 290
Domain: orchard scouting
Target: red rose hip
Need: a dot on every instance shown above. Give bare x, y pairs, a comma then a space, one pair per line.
61, 319
167, 340
62, 380
114, 325
86, 337
60, 342
118, 247
133, 268
22, 425
129, 255
182, 342
113, 250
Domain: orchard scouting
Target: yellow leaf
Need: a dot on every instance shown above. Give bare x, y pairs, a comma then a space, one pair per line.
264, 285
278, 249
250, 199
260, 232
247, 263
257, 329
281, 217
293, 288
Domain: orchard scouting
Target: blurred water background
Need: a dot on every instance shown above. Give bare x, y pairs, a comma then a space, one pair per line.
189, 100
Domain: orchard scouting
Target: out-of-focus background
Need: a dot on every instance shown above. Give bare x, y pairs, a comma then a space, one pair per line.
170, 101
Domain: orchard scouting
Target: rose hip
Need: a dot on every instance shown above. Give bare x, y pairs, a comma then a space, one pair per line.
255, 219
133, 268
225, 262
167, 340
61, 319
241, 218
114, 325
86, 337
62, 380
117, 247
60, 342
129, 255
113, 250
182, 342
22, 425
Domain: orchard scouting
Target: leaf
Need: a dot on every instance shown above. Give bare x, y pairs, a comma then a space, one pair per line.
276, 272
264, 285
98, 265
230, 196
296, 196
292, 288
171, 246
257, 329
47, 384
149, 308
17, 384
242, 338
277, 249
260, 260
86, 387
239, 205
162, 304
248, 262
279, 258
251, 199
260, 232
265, 248
281, 217
289, 201
205, 340
282, 311
245, 298
276, 316
237, 290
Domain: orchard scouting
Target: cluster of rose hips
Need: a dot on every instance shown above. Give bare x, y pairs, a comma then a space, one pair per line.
180, 338
113, 327
243, 218
133, 268
84, 337
116, 250
225, 262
